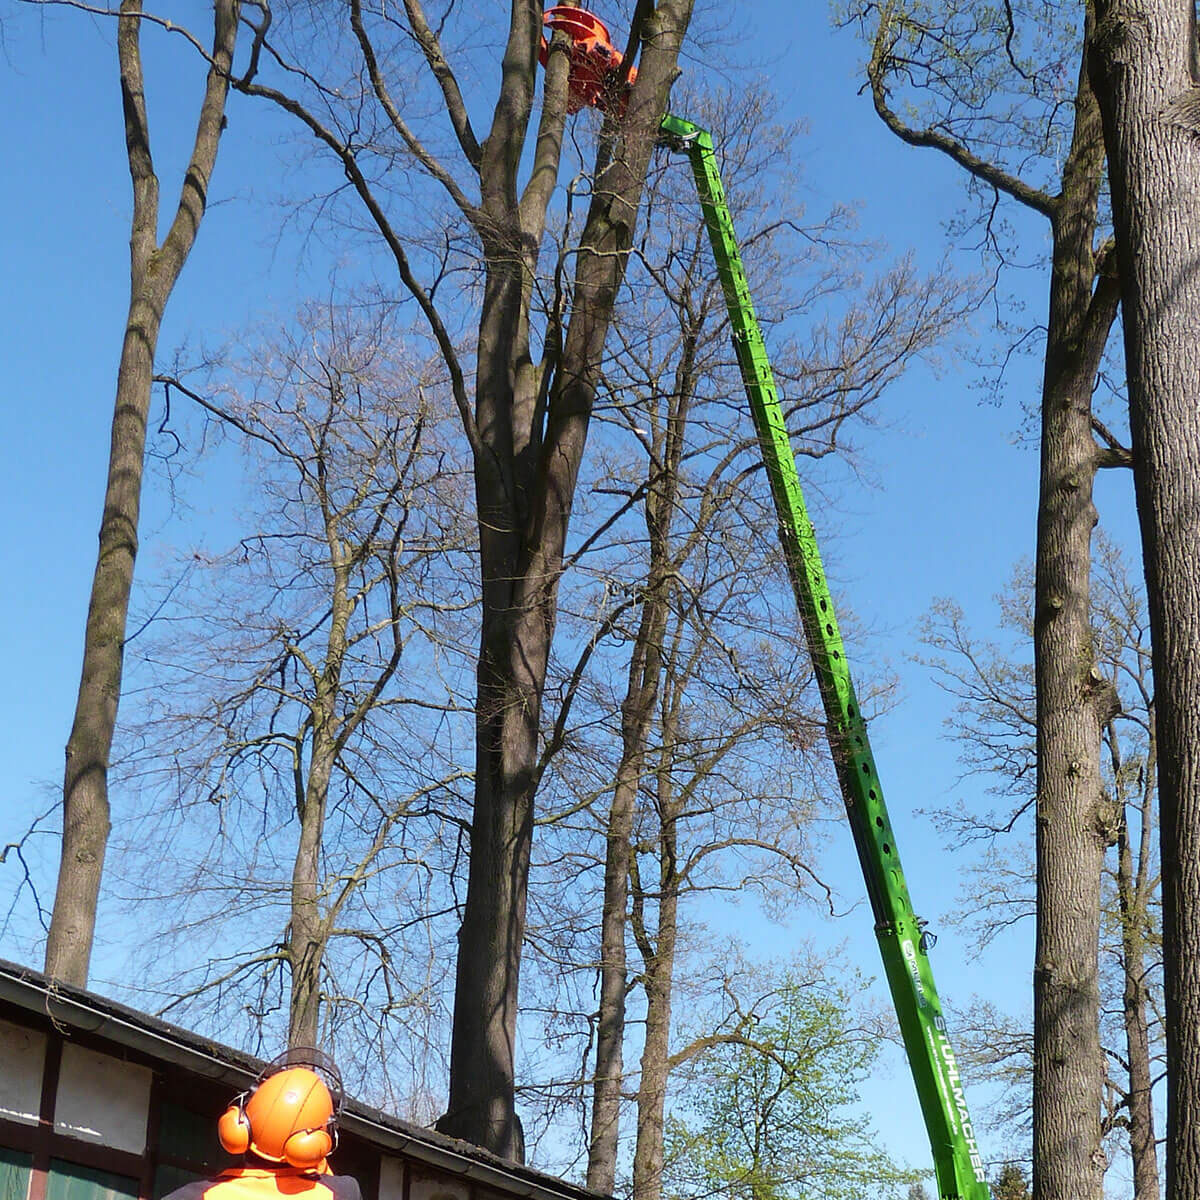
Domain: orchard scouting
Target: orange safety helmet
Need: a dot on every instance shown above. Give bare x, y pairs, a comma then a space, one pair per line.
291, 1114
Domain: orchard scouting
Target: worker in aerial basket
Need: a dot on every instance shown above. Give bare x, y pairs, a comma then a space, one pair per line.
284, 1129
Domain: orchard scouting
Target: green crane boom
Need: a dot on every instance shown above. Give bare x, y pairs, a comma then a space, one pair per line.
957, 1162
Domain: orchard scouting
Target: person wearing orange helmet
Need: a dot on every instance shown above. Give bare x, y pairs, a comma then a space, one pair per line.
284, 1128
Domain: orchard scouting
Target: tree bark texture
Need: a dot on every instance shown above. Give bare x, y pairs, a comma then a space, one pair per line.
308, 929
1073, 699
1145, 71
154, 271
527, 463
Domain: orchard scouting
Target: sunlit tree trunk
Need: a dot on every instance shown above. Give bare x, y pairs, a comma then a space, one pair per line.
658, 955
1074, 824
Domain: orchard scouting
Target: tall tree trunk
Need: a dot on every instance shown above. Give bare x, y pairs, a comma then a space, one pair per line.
1073, 700
637, 716
514, 634
527, 447
659, 960
1146, 73
154, 271
1133, 893
308, 929
525, 480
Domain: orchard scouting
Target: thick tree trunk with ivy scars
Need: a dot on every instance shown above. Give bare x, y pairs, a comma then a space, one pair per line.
1146, 73
1073, 699
526, 472
154, 271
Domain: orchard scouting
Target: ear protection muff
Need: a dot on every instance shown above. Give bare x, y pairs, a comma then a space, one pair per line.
304, 1149
307, 1147
233, 1127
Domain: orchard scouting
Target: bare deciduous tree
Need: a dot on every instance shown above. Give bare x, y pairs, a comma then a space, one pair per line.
990, 93
306, 676
995, 722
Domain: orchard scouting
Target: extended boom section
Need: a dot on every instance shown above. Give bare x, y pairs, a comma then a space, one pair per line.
957, 1162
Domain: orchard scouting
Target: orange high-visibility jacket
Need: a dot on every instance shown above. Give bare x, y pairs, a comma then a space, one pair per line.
270, 1183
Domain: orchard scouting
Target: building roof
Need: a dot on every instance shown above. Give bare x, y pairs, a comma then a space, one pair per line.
73, 1009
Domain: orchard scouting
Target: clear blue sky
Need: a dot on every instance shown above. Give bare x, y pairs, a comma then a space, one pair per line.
951, 506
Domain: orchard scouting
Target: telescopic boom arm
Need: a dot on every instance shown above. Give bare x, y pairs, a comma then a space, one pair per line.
957, 1162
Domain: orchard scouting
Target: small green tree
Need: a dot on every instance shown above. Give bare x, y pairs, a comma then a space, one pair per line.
1010, 1183
774, 1116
